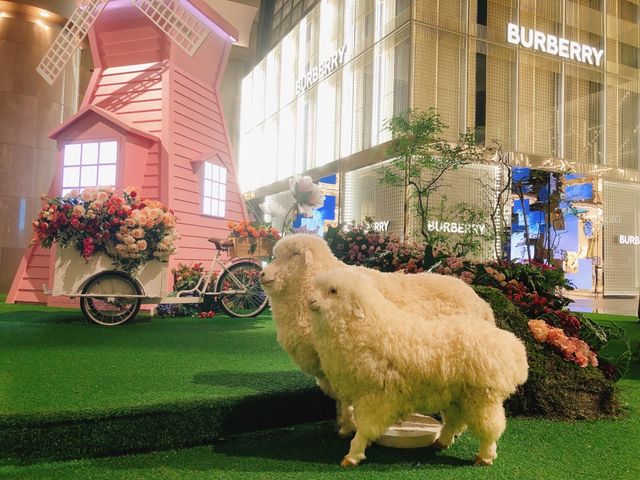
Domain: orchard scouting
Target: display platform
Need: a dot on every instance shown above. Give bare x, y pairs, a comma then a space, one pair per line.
69, 389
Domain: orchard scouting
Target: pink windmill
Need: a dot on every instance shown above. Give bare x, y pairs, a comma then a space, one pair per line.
151, 118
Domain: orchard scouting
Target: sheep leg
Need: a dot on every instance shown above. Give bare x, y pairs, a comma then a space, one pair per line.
373, 414
356, 454
486, 423
344, 412
453, 425
346, 421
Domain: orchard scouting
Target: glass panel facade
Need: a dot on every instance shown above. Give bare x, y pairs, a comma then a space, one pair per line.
621, 232
456, 57
568, 90
327, 90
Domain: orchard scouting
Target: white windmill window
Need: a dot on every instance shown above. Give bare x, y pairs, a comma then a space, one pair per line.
89, 164
214, 191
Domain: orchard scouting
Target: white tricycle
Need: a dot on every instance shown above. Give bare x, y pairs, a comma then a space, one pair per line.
111, 297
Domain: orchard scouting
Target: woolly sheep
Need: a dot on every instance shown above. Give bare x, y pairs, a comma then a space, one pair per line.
287, 282
390, 364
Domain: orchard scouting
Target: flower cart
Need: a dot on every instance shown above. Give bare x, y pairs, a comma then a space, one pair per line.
112, 254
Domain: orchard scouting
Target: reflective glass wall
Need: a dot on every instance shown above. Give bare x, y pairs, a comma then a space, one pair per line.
326, 90
546, 104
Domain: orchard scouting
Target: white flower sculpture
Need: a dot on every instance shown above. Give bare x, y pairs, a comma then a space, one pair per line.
273, 209
306, 194
306, 197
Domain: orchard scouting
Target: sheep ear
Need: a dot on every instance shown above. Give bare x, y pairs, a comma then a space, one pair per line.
358, 311
308, 258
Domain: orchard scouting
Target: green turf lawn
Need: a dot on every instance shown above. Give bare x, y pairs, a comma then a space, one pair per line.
52, 361
529, 449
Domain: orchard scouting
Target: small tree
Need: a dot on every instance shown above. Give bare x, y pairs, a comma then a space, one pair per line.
420, 159
497, 199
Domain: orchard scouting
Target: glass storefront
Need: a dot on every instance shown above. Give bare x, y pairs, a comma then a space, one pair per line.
323, 95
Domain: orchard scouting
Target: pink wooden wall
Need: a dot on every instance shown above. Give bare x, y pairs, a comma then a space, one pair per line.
143, 79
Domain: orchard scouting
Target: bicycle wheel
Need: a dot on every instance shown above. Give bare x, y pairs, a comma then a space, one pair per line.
243, 278
114, 309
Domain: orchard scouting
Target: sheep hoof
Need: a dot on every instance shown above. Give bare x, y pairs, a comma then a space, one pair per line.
437, 446
481, 462
348, 462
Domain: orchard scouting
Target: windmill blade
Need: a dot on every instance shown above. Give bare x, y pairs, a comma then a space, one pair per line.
69, 39
178, 23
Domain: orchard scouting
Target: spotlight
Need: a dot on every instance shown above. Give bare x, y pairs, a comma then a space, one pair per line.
44, 14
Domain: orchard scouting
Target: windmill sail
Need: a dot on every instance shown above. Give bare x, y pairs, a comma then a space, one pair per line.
69, 39
178, 23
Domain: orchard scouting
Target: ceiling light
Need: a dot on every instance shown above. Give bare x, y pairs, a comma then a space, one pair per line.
44, 14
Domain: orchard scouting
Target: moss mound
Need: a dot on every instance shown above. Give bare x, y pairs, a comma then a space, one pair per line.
556, 388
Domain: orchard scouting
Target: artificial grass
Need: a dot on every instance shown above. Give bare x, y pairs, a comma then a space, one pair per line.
52, 361
248, 383
70, 389
529, 449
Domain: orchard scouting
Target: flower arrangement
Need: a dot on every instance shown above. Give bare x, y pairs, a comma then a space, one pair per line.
571, 348
252, 230
535, 288
97, 220
186, 277
360, 245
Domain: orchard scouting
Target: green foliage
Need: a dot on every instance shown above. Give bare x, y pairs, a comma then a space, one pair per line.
612, 344
420, 157
538, 276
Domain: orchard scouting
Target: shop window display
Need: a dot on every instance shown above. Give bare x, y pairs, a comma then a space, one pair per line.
557, 218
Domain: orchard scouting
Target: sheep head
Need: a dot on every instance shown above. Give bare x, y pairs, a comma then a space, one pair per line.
297, 257
337, 296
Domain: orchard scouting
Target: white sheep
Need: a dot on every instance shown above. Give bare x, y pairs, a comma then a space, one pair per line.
390, 364
287, 282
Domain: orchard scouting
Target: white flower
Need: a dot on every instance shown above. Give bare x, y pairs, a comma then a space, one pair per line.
274, 209
306, 193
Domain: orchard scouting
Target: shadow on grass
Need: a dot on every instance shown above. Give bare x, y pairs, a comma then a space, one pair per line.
303, 449
317, 445
258, 381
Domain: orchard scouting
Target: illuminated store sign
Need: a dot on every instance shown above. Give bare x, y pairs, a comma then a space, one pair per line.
629, 240
453, 227
380, 226
317, 73
547, 43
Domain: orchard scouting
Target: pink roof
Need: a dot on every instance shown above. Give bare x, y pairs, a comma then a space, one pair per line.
107, 116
